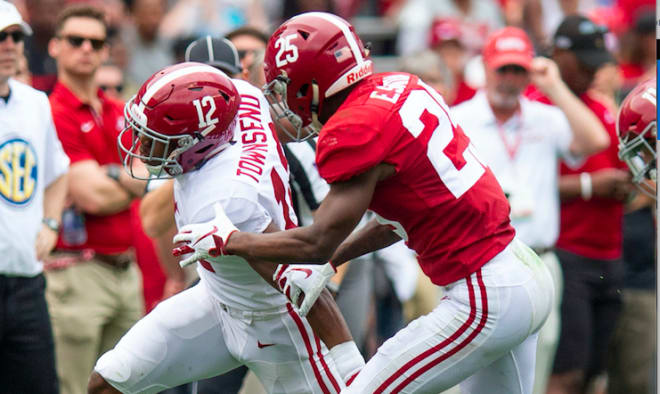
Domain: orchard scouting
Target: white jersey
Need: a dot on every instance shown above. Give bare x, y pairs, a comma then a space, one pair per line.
31, 157
250, 179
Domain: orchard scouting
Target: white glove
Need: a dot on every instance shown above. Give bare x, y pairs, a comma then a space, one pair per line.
204, 240
306, 279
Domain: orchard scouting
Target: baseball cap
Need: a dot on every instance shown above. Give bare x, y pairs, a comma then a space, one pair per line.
217, 52
443, 29
585, 39
10, 16
509, 45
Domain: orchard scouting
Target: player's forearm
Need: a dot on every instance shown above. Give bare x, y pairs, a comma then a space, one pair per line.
297, 245
157, 210
168, 263
372, 237
327, 321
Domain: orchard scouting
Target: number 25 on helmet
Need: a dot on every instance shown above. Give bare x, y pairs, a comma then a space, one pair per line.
309, 58
636, 128
180, 117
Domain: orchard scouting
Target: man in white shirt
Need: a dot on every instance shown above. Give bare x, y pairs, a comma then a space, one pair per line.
522, 141
33, 183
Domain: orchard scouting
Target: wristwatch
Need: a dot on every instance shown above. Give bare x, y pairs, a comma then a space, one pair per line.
113, 171
52, 224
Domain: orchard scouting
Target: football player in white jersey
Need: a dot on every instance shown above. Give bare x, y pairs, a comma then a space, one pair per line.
214, 135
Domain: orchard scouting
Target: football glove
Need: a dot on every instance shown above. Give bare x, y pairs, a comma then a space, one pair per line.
307, 280
204, 240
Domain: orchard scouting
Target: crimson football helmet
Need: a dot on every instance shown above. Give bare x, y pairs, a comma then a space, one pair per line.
180, 117
637, 131
311, 57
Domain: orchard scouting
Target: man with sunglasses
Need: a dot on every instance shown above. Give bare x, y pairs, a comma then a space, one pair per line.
522, 141
94, 287
32, 191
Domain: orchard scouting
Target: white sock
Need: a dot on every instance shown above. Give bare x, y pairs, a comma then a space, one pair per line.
348, 359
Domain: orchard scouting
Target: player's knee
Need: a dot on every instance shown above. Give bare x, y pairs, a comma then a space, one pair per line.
98, 385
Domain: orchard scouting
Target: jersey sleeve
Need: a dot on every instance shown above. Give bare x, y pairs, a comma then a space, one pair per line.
351, 144
241, 206
57, 162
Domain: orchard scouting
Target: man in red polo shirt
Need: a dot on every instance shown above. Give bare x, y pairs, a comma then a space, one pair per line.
590, 237
94, 287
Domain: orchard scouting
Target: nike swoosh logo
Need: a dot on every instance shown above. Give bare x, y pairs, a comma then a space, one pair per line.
263, 345
213, 230
305, 270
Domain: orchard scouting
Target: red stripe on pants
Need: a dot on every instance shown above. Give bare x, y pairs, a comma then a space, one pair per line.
308, 346
446, 342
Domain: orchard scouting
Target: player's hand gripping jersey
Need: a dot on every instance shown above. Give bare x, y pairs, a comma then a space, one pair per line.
253, 193
451, 209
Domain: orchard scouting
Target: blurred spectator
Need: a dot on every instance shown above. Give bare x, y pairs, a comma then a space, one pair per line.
212, 17
430, 67
248, 41
554, 12
633, 346
632, 351
23, 71
110, 79
606, 85
179, 47
589, 244
148, 51
295, 7
149, 253
42, 14
522, 142
638, 52
477, 17
32, 191
95, 294
446, 40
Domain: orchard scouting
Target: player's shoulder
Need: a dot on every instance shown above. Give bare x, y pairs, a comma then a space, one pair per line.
245, 88
220, 176
373, 102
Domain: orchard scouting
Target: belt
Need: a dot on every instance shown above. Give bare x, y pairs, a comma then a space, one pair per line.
61, 259
543, 250
120, 261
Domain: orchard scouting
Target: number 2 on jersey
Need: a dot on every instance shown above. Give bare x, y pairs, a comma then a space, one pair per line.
449, 150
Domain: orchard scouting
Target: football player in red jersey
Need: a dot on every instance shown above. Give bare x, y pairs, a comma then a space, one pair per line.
636, 126
387, 143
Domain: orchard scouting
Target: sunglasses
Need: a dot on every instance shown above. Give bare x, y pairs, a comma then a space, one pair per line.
17, 36
77, 41
118, 88
511, 68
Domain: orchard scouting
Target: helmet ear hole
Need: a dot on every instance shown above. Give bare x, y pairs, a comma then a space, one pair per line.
224, 95
302, 92
303, 34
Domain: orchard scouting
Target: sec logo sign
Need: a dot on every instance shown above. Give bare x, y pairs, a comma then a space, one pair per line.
18, 171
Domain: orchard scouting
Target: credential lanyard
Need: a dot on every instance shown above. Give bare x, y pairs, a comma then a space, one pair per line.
511, 149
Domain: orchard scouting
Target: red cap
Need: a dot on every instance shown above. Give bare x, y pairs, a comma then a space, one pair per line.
509, 45
445, 30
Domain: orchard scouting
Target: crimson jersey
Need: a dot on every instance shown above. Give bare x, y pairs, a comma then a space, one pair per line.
453, 211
